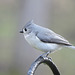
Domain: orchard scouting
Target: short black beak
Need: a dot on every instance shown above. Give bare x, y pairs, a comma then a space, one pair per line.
21, 31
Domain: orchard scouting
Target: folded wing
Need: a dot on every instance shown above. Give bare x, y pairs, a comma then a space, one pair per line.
52, 38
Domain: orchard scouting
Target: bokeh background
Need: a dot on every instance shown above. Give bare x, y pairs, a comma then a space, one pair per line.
16, 55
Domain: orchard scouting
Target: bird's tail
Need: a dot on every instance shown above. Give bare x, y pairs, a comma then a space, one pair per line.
72, 47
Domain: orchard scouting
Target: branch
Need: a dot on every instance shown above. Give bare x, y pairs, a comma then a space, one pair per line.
46, 60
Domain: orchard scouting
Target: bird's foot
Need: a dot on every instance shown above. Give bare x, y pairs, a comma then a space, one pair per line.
45, 54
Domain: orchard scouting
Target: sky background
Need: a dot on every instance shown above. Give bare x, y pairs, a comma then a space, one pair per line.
16, 55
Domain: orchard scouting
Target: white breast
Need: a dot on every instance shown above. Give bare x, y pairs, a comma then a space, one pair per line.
36, 43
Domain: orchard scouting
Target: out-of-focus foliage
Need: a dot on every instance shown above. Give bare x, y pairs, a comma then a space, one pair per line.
16, 55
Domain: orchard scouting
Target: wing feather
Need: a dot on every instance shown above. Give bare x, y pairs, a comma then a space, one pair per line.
52, 38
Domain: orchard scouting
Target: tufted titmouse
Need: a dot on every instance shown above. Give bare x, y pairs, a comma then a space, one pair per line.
43, 38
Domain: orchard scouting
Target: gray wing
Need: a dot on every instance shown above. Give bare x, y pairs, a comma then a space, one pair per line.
52, 38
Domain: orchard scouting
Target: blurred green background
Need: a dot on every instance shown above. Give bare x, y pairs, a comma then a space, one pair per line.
16, 55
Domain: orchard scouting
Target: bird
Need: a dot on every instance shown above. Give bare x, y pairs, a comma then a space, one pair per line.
44, 39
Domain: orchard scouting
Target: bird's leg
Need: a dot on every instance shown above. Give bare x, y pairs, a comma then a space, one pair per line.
46, 54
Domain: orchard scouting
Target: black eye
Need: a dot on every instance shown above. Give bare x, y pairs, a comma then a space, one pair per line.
25, 29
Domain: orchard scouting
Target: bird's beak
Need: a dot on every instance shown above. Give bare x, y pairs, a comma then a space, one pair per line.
21, 31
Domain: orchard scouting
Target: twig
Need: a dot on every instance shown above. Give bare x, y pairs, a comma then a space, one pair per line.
46, 60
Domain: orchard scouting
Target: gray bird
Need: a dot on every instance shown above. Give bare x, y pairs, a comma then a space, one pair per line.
43, 38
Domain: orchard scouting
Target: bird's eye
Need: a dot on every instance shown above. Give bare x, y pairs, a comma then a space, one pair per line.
25, 29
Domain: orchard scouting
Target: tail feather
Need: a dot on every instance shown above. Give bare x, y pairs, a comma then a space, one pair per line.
73, 47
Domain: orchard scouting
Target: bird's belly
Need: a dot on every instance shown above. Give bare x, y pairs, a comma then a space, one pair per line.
36, 43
